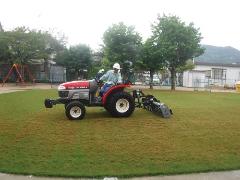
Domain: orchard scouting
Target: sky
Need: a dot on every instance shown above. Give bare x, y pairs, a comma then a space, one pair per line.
85, 21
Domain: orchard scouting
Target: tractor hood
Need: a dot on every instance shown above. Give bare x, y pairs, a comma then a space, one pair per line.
74, 85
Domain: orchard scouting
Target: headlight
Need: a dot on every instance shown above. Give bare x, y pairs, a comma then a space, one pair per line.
61, 87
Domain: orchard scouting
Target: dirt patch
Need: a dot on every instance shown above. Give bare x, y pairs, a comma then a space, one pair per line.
13, 87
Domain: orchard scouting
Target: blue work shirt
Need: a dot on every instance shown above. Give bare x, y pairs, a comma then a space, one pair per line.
112, 78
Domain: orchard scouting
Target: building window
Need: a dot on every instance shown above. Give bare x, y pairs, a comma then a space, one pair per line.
218, 73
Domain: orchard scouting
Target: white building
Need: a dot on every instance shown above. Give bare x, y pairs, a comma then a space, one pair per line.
207, 74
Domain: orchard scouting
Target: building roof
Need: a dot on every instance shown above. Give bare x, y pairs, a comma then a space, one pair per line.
217, 64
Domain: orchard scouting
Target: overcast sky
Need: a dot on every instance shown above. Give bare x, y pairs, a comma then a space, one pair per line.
84, 21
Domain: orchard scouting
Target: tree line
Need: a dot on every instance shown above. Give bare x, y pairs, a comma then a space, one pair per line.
170, 46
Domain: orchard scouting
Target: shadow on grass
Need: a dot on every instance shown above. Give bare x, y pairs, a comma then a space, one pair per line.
58, 114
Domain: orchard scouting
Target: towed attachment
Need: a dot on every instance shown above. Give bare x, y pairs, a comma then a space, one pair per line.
150, 103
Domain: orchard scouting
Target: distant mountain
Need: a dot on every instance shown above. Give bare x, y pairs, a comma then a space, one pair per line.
223, 55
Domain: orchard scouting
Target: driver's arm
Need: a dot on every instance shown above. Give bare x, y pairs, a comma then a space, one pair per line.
104, 77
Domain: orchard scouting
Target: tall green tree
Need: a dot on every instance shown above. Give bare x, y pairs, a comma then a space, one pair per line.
5, 53
23, 44
176, 42
78, 61
150, 60
121, 43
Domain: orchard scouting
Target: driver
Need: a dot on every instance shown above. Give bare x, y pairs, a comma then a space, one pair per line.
112, 77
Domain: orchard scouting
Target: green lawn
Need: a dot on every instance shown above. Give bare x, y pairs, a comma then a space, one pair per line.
202, 135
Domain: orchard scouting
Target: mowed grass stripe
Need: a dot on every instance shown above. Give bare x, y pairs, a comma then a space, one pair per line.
202, 135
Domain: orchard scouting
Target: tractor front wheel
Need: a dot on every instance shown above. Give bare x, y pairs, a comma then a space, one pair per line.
121, 104
75, 110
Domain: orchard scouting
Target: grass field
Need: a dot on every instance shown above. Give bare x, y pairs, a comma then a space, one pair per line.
202, 135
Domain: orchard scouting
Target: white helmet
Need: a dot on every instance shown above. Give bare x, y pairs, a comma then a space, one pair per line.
116, 66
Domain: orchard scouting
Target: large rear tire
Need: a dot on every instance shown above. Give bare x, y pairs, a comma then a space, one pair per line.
121, 104
75, 110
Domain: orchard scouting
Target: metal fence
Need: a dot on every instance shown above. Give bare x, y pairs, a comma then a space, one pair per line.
56, 74
209, 83
52, 74
158, 79
196, 84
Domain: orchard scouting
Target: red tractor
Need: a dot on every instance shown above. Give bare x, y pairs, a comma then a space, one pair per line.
76, 95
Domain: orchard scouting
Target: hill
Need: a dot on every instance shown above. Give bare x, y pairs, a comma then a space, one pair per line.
223, 55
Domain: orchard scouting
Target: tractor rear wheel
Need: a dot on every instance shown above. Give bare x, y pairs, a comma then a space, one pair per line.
121, 104
75, 110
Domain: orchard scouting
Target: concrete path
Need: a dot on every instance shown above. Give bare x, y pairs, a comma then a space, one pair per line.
8, 91
19, 177
227, 175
